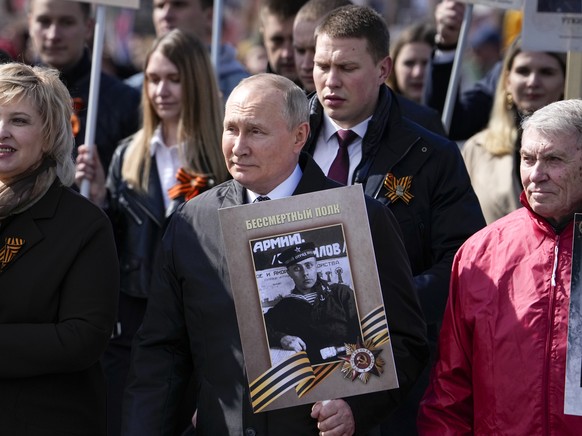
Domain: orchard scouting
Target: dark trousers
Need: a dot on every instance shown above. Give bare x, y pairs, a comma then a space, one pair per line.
116, 359
116, 362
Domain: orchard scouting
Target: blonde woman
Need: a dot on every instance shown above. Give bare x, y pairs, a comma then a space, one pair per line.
174, 157
59, 275
529, 81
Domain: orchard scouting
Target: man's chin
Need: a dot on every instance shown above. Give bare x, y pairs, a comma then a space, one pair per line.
57, 62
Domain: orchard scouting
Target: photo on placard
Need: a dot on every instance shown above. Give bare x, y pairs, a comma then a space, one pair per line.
306, 292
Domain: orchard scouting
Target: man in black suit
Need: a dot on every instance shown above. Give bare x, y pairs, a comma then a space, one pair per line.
419, 176
190, 326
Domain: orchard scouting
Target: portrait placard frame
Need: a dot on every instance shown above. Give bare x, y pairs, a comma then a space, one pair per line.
295, 381
573, 383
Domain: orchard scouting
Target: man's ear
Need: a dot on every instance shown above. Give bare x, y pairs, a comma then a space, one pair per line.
384, 69
301, 135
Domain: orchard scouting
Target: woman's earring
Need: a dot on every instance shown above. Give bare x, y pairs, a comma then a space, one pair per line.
508, 101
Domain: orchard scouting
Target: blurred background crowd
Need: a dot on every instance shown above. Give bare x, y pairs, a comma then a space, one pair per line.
130, 33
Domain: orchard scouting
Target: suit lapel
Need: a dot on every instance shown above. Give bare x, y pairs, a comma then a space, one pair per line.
235, 195
401, 143
313, 178
24, 228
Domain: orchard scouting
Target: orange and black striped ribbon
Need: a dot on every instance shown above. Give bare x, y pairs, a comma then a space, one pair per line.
296, 371
9, 250
188, 186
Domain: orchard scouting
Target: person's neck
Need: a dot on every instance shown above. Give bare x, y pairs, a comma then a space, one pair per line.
561, 223
170, 133
304, 291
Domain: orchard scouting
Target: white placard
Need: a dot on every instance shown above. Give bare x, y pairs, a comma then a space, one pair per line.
552, 31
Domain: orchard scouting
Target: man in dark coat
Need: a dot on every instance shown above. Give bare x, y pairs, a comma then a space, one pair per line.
190, 323
306, 20
420, 176
59, 30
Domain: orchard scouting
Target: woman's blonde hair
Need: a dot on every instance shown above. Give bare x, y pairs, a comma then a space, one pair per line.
502, 130
200, 123
42, 88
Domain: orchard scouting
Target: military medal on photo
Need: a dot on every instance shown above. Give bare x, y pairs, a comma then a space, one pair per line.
361, 361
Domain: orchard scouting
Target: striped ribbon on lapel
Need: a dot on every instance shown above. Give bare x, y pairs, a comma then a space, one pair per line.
8, 251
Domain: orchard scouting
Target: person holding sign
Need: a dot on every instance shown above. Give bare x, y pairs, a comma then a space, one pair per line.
315, 315
507, 312
60, 30
190, 325
174, 157
59, 274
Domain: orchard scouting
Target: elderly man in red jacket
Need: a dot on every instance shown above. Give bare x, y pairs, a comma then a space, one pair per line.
501, 368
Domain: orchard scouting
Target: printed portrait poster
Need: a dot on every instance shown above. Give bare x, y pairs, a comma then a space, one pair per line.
573, 391
501, 4
288, 258
552, 25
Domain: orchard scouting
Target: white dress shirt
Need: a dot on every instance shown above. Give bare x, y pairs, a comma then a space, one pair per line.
284, 189
327, 146
168, 162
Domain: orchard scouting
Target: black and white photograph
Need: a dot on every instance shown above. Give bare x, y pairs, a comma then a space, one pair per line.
573, 390
306, 293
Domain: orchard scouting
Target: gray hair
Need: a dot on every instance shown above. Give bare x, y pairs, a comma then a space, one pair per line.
295, 103
42, 87
561, 117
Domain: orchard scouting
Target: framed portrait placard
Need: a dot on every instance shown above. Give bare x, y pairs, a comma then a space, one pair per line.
552, 25
308, 299
573, 387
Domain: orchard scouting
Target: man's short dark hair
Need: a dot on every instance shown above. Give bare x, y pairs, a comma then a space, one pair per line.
86, 8
314, 10
358, 22
283, 9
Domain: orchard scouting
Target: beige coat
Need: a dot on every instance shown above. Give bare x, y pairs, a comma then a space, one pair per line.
493, 179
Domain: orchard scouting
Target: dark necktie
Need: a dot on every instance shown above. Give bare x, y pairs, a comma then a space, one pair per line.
261, 198
340, 166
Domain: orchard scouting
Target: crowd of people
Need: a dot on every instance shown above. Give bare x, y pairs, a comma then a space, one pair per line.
116, 309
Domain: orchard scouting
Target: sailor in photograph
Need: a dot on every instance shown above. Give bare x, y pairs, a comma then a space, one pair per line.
316, 316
